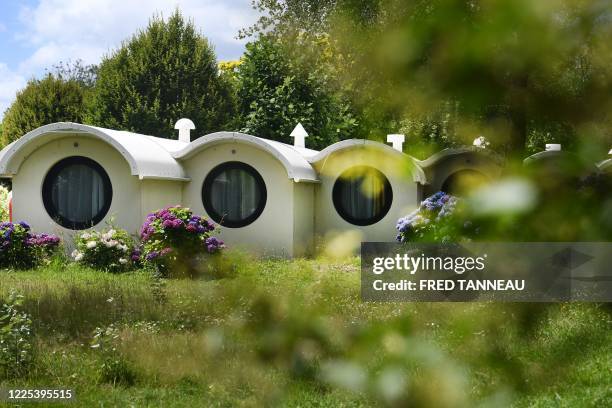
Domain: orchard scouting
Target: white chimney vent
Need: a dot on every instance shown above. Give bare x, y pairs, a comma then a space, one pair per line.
184, 126
397, 141
481, 142
553, 147
299, 136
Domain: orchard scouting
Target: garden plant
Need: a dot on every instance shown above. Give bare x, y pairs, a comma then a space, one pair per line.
22, 249
111, 249
176, 241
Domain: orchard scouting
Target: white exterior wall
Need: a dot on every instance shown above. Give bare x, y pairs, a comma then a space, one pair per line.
157, 194
330, 224
27, 185
303, 220
272, 234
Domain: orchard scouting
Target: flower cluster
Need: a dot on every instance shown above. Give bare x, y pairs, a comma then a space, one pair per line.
174, 234
111, 250
429, 219
174, 218
43, 240
20, 248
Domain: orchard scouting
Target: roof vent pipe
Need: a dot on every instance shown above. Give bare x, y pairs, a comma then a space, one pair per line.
481, 142
397, 141
553, 147
299, 136
184, 126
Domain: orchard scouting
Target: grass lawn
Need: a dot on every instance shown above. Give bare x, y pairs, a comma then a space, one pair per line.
295, 333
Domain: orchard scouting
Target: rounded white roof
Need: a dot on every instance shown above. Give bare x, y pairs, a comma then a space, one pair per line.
294, 159
456, 151
605, 165
544, 155
418, 175
147, 156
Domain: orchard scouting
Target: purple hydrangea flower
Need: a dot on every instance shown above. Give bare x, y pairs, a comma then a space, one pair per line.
213, 244
152, 255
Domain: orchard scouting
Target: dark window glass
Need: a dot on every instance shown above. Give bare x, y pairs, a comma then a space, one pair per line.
77, 192
362, 195
234, 194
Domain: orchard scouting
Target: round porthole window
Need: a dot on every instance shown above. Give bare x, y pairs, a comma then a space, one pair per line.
362, 195
77, 193
234, 194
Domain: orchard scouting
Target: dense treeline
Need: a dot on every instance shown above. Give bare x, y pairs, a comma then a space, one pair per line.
521, 73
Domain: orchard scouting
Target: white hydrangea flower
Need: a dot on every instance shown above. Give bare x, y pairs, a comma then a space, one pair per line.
78, 257
91, 244
122, 261
74, 253
111, 243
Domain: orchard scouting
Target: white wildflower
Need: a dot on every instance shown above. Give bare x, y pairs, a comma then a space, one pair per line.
78, 257
122, 261
91, 244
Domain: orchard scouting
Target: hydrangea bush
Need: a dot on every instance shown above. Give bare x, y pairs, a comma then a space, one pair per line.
435, 220
21, 249
111, 250
174, 239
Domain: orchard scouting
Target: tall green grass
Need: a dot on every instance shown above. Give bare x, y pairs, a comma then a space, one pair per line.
278, 332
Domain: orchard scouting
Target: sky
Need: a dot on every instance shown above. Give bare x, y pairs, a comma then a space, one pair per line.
37, 34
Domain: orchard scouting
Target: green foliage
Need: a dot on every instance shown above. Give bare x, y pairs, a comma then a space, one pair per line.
109, 250
76, 71
520, 73
43, 101
284, 332
16, 339
511, 82
285, 82
113, 369
160, 75
4, 203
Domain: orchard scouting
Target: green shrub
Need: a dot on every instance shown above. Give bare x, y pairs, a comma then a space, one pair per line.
21, 249
4, 203
110, 250
16, 339
438, 219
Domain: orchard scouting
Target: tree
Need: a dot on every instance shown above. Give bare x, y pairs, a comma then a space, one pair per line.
43, 101
78, 71
312, 36
523, 71
280, 86
160, 75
